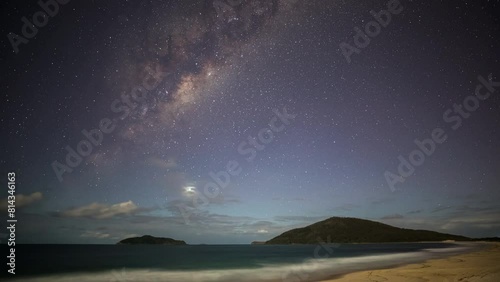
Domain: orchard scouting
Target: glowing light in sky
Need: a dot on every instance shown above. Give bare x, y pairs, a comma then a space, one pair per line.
190, 190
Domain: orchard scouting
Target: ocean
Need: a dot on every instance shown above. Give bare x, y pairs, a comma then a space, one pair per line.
116, 263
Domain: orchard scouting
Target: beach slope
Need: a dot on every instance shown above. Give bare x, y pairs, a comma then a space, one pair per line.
476, 266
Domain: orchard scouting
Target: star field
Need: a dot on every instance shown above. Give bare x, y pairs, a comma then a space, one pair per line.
194, 95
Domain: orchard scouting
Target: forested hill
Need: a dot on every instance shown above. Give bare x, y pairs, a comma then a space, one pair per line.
355, 230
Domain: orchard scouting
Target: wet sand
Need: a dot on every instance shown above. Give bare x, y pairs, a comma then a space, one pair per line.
482, 265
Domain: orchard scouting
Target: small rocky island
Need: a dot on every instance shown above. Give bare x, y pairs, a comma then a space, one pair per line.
150, 240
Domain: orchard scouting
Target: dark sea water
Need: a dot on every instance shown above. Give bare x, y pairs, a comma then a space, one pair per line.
214, 262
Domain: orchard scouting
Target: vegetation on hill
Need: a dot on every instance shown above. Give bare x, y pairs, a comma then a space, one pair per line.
354, 230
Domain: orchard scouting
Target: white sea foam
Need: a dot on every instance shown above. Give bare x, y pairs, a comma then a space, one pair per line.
308, 270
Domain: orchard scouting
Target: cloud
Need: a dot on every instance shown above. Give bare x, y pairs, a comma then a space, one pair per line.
95, 234
414, 212
392, 216
126, 236
162, 163
471, 221
299, 218
100, 211
479, 221
297, 199
22, 200
117, 235
345, 208
382, 201
205, 222
440, 208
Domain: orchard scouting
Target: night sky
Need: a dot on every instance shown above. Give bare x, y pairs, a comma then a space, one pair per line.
235, 121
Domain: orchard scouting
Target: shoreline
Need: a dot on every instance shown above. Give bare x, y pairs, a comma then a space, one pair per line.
477, 265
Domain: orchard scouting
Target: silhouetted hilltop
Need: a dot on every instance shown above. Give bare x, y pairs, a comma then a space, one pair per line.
355, 230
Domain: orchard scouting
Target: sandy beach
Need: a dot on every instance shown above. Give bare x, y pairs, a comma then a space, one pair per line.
476, 266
